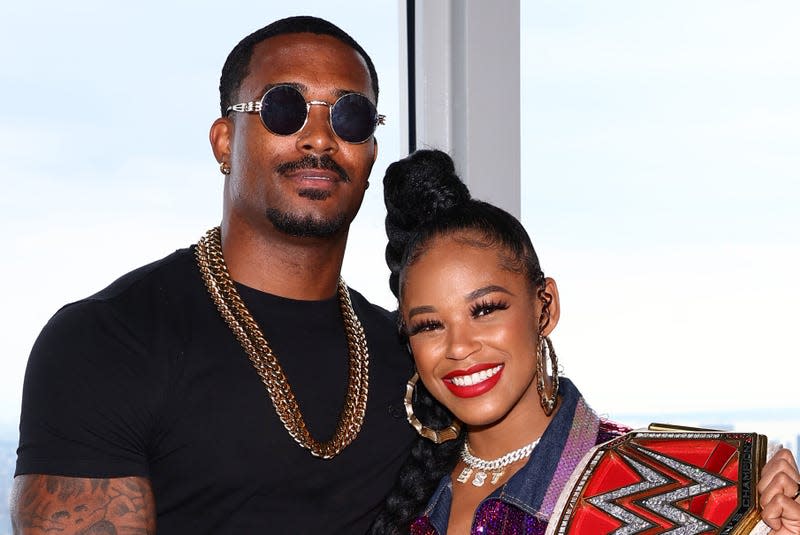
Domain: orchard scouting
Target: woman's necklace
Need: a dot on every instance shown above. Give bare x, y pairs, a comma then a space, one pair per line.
496, 467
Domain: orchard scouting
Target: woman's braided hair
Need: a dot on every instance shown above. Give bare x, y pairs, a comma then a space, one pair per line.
426, 199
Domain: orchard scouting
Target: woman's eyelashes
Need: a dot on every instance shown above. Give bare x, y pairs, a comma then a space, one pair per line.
476, 310
486, 307
423, 326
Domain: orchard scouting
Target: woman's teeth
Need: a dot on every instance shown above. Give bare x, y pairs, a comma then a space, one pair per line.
475, 378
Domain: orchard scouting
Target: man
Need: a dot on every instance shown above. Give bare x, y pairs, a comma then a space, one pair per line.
179, 399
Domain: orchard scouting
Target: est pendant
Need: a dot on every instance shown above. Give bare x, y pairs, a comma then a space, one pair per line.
480, 476
464, 475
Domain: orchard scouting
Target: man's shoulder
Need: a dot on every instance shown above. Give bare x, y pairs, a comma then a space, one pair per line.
168, 272
150, 287
363, 306
380, 325
141, 313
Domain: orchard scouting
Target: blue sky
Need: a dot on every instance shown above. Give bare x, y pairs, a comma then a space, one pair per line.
661, 167
660, 176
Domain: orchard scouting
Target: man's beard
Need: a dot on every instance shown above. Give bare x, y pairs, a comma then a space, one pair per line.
300, 226
305, 226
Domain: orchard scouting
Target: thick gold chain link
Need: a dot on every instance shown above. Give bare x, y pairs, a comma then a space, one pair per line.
233, 310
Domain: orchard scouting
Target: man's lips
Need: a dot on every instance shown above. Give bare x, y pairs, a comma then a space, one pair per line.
473, 381
316, 175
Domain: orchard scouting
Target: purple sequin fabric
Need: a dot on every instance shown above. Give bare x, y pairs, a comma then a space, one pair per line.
495, 516
422, 526
492, 517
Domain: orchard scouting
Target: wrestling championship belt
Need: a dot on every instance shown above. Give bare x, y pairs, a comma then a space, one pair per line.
665, 479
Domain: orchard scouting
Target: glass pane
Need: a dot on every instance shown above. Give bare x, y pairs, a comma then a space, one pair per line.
660, 149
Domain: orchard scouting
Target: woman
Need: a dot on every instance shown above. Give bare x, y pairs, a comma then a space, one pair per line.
501, 431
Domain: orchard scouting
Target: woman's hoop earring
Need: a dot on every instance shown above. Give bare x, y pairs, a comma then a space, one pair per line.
437, 436
545, 353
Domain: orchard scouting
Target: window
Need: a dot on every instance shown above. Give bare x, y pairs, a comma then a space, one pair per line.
660, 163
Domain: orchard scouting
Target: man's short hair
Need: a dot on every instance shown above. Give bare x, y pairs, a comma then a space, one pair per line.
237, 66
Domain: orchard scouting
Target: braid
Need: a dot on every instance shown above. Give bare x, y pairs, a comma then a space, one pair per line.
417, 190
427, 463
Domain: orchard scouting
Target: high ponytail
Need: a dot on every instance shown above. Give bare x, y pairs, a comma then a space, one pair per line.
417, 190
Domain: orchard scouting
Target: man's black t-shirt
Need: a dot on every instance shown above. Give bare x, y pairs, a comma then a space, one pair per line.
146, 379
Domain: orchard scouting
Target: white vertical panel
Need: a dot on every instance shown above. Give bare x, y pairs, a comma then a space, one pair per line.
467, 91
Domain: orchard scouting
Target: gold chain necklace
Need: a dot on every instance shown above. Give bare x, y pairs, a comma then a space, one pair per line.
229, 303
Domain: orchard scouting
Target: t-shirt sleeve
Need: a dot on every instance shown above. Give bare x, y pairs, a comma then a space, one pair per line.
89, 397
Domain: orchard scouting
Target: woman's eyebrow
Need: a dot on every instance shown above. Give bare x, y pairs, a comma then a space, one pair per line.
480, 292
425, 309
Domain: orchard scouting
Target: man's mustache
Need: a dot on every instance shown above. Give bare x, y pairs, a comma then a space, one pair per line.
310, 161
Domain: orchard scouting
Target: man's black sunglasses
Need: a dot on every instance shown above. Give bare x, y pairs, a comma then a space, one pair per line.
284, 111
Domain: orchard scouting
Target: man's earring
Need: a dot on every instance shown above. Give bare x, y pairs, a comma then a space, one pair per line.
224, 168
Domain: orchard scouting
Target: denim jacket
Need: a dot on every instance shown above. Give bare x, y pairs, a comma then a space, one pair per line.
524, 504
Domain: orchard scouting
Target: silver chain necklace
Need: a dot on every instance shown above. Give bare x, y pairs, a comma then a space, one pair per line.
495, 466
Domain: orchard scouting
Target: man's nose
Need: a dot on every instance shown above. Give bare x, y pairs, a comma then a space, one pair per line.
317, 136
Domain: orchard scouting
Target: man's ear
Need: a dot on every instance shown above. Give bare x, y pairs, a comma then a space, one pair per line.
220, 138
554, 308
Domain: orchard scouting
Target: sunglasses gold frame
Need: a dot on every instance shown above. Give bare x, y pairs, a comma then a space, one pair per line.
256, 106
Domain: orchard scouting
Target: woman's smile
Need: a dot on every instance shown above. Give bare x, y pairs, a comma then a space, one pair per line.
474, 381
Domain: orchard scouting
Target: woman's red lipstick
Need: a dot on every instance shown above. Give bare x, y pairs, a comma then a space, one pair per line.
471, 382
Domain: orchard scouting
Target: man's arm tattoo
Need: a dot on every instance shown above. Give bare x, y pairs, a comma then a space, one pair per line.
81, 506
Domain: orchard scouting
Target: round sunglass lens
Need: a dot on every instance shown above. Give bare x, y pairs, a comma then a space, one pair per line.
283, 110
353, 118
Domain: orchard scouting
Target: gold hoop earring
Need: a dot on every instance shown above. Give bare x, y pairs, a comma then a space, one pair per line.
546, 352
224, 168
437, 436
